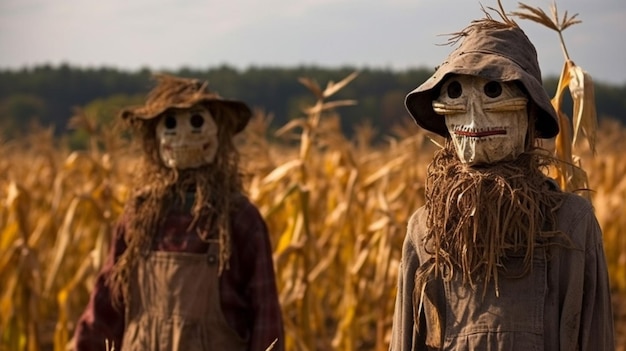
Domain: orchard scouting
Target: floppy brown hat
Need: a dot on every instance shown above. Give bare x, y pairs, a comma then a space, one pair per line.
492, 50
177, 92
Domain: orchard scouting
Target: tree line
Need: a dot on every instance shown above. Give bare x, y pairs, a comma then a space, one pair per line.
48, 95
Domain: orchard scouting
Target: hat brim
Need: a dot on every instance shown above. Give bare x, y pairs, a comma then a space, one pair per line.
489, 66
231, 108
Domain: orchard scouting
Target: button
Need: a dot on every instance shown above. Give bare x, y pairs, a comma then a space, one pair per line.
212, 259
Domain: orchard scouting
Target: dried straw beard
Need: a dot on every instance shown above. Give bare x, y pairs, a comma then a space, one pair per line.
159, 189
476, 216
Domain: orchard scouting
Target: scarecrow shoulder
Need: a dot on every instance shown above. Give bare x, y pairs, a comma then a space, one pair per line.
576, 218
574, 207
242, 204
246, 218
416, 228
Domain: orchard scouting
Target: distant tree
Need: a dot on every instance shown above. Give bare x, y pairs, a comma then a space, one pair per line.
392, 108
611, 101
18, 111
98, 118
50, 94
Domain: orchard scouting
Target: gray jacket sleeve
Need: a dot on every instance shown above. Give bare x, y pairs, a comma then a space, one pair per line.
597, 316
404, 336
586, 318
596, 330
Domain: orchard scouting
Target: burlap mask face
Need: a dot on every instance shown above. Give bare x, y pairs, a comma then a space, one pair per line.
487, 120
187, 137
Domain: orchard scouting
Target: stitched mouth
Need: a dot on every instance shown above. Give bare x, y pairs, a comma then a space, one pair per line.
479, 134
171, 148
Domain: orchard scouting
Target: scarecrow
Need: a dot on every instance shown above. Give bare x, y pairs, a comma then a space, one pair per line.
498, 258
191, 264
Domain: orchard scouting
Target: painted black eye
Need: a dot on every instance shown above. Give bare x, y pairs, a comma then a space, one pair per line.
455, 90
170, 122
196, 120
493, 89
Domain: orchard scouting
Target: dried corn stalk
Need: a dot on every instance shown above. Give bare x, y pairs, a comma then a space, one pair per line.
569, 172
609, 170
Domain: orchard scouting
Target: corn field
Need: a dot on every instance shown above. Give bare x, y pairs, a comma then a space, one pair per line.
336, 210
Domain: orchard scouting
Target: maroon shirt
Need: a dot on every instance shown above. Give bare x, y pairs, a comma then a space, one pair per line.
248, 294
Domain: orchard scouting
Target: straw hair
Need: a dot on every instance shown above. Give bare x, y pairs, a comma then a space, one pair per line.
477, 216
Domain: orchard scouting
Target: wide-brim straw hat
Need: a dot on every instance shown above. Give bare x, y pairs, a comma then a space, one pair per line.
180, 93
491, 50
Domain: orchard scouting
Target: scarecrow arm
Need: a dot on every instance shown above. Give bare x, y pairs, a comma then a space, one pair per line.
404, 333
596, 330
101, 322
251, 233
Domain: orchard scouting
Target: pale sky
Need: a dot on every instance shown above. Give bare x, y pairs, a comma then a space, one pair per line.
201, 34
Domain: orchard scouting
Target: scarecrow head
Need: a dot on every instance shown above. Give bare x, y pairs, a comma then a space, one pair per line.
190, 164
186, 121
487, 96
